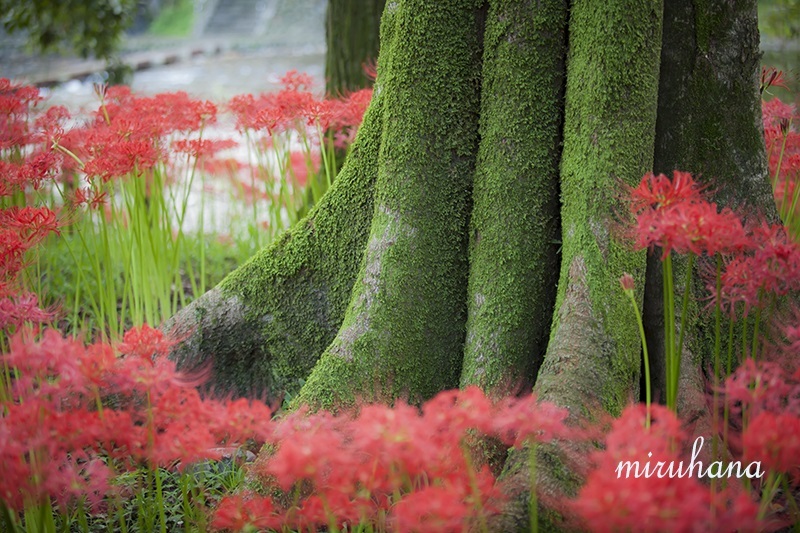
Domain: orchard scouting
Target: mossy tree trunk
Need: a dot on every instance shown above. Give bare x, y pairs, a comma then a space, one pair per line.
514, 228
442, 255
404, 329
592, 361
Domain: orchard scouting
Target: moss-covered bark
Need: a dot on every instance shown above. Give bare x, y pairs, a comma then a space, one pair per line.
592, 361
404, 328
609, 131
266, 324
351, 33
514, 236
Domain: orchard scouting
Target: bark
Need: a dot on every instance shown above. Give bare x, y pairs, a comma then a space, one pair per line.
514, 229
709, 123
592, 361
404, 328
351, 32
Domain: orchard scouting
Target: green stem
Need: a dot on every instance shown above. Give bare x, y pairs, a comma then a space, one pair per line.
771, 486
792, 504
645, 354
672, 358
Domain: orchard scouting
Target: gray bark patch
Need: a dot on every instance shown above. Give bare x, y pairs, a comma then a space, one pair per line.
370, 284
213, 316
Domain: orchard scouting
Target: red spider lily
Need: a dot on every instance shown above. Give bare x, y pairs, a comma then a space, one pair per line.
17, 99
89, 197
52, 431
310, 448
672, 214
771, 267
202, 148
16, 103
31, 223
614, 500
12, 251
144, 342
275, 112
764, 422
763, 386
691, 227
121, 158
320, 112
246, 511
771, 77
431, 509
296, 81
397, 440
157, 116
50, 126
774, 439
15, 310
352, 108
31, 172
658, 191
351, 467
524, 420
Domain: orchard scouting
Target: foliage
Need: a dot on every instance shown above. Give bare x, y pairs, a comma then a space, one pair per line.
128, 182
174, 20
89, 28
781, 17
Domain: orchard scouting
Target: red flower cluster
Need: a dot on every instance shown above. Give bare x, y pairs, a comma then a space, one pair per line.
768, 395
16, 103
22, 229
413, 466
770, 265
783, 149
295, 106
57, 442
759, 260
619, 495
673, 215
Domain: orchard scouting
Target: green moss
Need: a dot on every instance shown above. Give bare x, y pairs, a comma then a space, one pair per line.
514, 230
404, 328
610, 113
555, 481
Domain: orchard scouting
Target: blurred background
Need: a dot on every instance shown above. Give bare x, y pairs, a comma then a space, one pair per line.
217, 48
212, 49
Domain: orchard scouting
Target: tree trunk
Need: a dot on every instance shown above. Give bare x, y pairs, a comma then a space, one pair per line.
351, 33
709, 124
404, 329
592, 361
432, 260
514, 230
